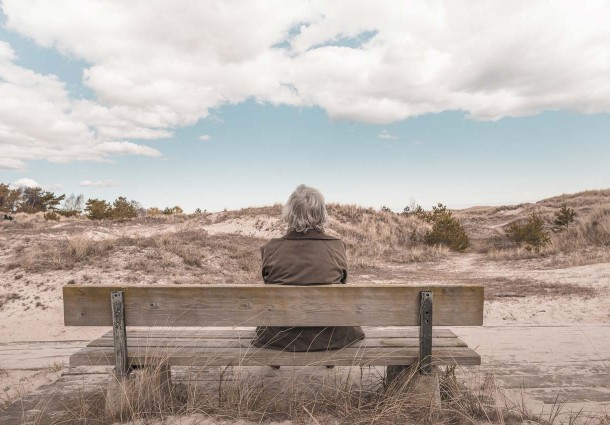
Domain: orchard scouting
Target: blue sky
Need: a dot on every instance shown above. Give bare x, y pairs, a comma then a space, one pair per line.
260, 146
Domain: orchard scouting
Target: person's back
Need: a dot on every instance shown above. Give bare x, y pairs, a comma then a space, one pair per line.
305, 256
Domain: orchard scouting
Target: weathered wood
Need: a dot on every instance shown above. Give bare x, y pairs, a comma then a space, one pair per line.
190, 356
425, 332
248, 333
119, 333
246, 343
273, 305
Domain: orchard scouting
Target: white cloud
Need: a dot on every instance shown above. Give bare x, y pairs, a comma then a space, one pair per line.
25, 182
98, 183
386, 136
205, 137
156, 65
39, 121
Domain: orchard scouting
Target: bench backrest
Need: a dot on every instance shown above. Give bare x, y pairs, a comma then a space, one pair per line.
273, 305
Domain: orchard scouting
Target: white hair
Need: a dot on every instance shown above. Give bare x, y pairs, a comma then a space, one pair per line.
305, 210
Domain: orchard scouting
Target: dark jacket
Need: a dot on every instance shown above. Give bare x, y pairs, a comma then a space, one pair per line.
311, 258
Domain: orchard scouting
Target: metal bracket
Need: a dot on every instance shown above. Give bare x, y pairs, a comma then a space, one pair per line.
425, 332
119, 333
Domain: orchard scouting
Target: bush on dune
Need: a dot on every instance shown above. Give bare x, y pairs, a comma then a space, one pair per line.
446, 229
529, 234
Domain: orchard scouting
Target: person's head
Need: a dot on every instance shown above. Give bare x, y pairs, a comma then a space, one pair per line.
305, 210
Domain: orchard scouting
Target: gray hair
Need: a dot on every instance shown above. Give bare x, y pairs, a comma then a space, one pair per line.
305, 210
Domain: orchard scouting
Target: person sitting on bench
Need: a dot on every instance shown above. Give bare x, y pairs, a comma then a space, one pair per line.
305, 256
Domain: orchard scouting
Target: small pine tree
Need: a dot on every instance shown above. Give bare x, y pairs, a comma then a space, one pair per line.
9, 198
122, 209
563, 218
97, 209
177, 210
35, 199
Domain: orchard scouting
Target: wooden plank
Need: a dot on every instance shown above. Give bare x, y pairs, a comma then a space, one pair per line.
232, 333
119, 333
245, 342
36, 355
97, 356
273, 305
425, 332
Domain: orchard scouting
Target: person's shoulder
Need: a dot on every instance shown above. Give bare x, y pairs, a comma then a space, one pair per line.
272, 243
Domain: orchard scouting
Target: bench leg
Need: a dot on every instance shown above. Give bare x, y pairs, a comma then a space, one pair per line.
140, 390
427, 390
423, 389
118, 396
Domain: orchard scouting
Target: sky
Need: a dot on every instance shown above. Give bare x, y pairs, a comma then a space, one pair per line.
229, 104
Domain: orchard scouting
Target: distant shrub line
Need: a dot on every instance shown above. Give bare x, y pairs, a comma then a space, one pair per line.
438, 226
34, 200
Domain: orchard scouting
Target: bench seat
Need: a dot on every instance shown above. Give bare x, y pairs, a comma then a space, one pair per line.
231, 346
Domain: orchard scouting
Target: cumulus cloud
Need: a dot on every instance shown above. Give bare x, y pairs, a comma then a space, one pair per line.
386, 135
98, 183
205, 137
39, 120
25, 182
156, 65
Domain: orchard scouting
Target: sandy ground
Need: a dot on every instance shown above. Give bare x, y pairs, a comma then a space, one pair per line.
37, 324
37, 314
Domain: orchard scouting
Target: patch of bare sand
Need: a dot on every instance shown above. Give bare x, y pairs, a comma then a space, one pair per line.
264, 226
14, 384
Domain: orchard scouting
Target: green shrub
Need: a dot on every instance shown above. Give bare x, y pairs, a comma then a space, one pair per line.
97, 209
122, 209
563, 218
530, 234
51, 215
446, 230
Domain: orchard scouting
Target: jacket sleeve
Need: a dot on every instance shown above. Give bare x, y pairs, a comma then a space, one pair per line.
344, 278
264, 271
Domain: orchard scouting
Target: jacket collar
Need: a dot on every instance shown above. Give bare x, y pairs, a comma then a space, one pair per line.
311, 234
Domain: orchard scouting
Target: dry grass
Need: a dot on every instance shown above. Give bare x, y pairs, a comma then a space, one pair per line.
305, 397
587, 241
188, 253
377, 236
7, 298
224, 257
271, 210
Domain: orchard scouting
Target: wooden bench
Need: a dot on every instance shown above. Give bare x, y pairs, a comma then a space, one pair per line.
415, 309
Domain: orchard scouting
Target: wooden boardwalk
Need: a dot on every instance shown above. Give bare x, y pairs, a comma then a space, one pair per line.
545, 365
